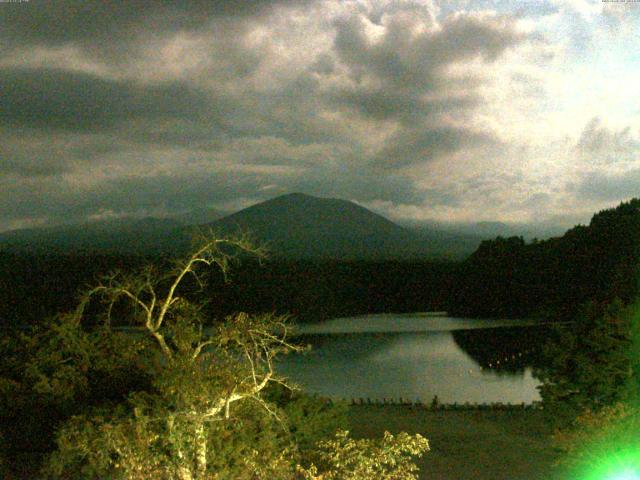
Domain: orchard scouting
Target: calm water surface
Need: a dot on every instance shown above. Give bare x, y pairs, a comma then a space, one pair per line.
408, 356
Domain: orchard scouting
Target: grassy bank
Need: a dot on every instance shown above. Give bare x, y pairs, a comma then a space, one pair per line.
465, 444
468, 445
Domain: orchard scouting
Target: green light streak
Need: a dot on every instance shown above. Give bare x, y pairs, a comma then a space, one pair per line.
621, 465
626, 475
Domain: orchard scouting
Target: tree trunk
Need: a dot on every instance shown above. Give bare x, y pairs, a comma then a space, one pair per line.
201, 451
184, 473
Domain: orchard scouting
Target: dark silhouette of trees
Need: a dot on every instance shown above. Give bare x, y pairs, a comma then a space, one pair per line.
554, 278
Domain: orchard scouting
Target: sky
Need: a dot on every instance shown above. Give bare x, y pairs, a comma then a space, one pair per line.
453, 111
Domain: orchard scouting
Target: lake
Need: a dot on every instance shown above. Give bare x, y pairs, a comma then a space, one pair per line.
417, 356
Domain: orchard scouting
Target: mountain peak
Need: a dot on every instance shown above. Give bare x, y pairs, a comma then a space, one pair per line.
300, 197
297, 225
294, 195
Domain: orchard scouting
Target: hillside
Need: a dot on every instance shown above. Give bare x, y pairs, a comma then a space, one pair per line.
130, 236
554, 278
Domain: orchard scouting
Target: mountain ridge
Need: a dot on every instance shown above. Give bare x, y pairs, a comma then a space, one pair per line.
294, 226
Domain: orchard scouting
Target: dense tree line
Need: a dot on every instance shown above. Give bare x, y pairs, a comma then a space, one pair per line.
554, 278
504, 349
35, 286
588, 278
321, 290
588, 364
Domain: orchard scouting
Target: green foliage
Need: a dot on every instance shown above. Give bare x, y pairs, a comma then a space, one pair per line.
70, 363
553, 278
311, 419
603, 441
390, 458
54, 372
194, 420
587, 364
145, 439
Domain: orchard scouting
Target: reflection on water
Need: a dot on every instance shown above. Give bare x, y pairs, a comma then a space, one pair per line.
414, 364
407, 322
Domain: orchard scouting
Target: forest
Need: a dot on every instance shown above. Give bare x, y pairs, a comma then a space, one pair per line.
554, 278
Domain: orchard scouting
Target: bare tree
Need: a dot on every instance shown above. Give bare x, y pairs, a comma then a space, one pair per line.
198, 372
202, 414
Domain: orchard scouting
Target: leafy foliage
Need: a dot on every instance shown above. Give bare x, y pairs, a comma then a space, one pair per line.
389, 458
587, 364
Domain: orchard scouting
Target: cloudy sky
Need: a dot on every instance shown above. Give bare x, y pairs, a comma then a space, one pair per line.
518, 111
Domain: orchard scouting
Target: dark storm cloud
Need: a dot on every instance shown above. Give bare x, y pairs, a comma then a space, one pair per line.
465, 36
422, 145
402, 76
46, 153
377, 104
59, 22
387, 104
290, 113
299, 124
406, 60
357, 182
60, 201
178, 132
30, 162
58, 99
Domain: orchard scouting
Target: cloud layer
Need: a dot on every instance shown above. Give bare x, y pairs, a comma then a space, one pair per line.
417, 109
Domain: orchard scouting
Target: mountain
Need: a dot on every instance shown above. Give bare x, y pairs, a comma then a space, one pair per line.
301, 226
199, 216
294, 226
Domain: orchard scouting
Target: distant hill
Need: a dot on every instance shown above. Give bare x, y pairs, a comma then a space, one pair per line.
126, 235
477, 231
302, 226
199, 216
